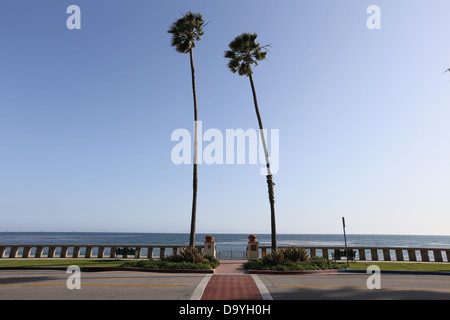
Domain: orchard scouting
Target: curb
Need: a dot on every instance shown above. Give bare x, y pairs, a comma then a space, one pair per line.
275, 272
423, 273
333, 271
99, 269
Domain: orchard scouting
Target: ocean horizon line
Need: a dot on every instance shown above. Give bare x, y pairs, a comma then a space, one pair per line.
231, 233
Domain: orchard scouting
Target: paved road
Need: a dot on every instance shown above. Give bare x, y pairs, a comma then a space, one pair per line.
51, 284
343, 286
109, 285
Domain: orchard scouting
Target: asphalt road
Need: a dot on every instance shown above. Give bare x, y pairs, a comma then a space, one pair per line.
348, 286
110, 285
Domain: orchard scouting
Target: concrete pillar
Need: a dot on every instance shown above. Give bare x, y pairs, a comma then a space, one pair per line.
162, 252
112, 254
76, 252
13, 251
253, 250
399, 254
137, 255
88, 252
101, 252
325, 253
387, 255
362, 254
437, 256
63, 253
210, 248
150, 253
26, 252
38, 253
51, 252
424, 255
374, 253
412, 255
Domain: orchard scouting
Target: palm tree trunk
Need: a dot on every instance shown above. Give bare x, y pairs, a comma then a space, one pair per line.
269, 177
195, 175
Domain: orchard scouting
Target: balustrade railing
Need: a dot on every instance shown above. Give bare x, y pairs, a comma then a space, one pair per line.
378, 253
88, 251
103, 251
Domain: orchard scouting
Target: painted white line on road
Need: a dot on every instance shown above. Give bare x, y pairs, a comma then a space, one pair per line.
198, 292
262, 288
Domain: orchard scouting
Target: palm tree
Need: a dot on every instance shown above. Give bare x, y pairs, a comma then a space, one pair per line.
185, 32
245, 51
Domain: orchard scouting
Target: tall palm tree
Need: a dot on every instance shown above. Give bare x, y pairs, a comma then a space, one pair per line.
245, 51
185, 32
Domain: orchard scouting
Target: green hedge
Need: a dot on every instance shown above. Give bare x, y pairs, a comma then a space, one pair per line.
314, 263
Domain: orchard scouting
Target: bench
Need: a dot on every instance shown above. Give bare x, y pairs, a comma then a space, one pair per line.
350, 254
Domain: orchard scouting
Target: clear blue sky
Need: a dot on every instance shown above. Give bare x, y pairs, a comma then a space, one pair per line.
86, 117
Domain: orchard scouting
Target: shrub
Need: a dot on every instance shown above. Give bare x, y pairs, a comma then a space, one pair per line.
213, 261
295, 254
291, 258
273, 258
188, 254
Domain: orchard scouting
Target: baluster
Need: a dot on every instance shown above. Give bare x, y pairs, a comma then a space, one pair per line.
51, 252
424, 255
399, 254
412, 255
437, 256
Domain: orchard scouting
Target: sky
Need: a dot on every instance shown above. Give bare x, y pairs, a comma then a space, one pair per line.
86, 117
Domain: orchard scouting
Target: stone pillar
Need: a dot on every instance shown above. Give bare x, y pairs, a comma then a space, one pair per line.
412, 255
63, 253
253, 250
374, 254
88, 252
26, 252
76, 252
399, 254
150, 253
162, 252
38, 253
101, 252
437, 256
51, 252
424, 255
386, 255
13, 251
210, 248
112, 253
362, 254
325, 253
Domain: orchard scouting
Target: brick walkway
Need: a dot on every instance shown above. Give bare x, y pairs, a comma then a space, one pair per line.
230, 282
231, 266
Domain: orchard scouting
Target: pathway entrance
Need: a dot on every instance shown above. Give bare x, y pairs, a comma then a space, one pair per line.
231, 266
231, 281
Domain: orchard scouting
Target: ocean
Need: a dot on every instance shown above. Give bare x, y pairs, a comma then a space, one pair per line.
224, 241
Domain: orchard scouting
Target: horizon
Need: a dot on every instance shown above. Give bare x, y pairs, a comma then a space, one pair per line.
233, 233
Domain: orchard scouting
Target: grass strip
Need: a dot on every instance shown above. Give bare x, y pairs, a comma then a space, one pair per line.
397, 266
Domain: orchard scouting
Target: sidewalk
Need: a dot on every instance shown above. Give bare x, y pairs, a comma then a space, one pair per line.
231, 281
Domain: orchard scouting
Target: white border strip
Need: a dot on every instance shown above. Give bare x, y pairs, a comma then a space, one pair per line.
262, 288
198, 292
